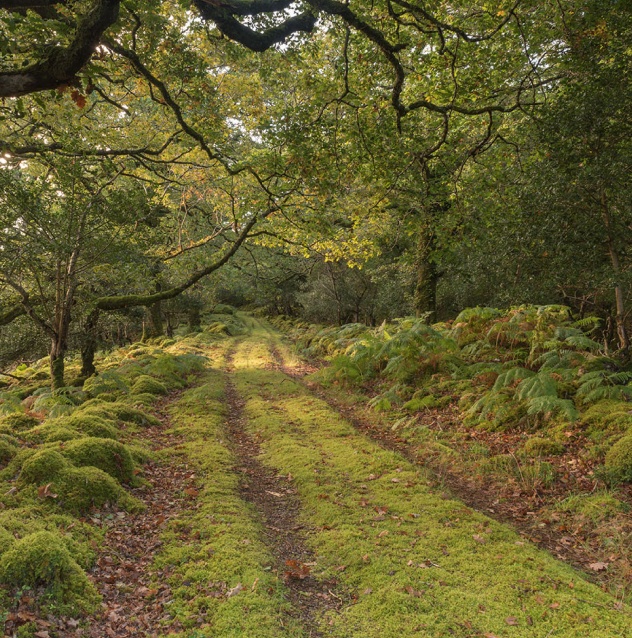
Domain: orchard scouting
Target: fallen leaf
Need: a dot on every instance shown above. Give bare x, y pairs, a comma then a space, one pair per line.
191, 491
598, 567
511, 620
234, 591
44, 491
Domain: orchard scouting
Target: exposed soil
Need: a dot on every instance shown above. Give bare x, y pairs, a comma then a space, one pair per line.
276, 503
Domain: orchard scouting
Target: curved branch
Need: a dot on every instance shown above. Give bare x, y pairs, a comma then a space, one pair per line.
128, 301
61, 64
11, 314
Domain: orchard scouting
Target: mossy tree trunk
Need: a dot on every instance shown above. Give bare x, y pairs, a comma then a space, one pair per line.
195, 318
89, 345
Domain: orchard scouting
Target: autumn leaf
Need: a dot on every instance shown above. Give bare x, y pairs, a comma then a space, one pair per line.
78, 98
44, 491
295, 569
191, 491
598, 567
511, 620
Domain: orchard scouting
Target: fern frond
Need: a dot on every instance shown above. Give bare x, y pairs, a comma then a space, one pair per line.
540, 385
549, 405
509, 377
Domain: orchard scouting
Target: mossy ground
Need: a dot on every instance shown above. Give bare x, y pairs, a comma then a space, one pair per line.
408, 560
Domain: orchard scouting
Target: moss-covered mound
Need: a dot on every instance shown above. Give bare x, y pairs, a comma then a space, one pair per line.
108, 455
144, 399
538, 446
18, 422
619, 459
92, 425
105, 383
122, 412
52, 432
43, 467
80, 489
42, 558
148, 385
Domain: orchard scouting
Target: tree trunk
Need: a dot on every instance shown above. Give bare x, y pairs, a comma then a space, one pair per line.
156, 328
195, 319
624, 341
89, 345
427, 277
57, 354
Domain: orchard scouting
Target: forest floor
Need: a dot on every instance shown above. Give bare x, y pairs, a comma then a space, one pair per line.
274, 511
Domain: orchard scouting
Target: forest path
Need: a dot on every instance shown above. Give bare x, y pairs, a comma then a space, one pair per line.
275, 474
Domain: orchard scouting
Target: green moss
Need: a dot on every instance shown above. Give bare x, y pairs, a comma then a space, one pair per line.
538, 446
42, 558
619, 459
6, 540
108, 455
7, 451
91, 425
129, 414
148, 385
143, 398
18, 422
51, 432
606, 419
43, 467
105, 383
80, 489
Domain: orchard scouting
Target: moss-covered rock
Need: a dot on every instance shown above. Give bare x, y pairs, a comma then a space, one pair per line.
43, 467
619, 459
42, 558
108, 455
148, 385
538, 446
18, 422
606, 418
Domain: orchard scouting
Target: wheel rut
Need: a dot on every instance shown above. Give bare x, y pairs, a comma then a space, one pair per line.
277, 505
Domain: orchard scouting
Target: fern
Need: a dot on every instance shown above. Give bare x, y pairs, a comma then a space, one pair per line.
539, 385
509, 377
549, 405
